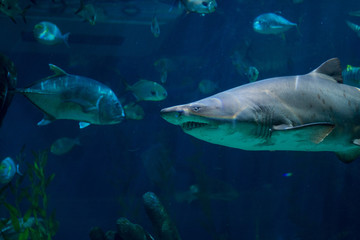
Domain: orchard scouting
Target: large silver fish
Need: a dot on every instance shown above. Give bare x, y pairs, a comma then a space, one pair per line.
66, 96
311, 112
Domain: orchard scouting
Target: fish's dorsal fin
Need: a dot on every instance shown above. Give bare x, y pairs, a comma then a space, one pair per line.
332, 69
58, 71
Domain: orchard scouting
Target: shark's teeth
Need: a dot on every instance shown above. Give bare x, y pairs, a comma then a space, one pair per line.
192, 125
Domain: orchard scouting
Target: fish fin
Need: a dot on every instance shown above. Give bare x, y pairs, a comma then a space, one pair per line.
24, 12
98, 102
83, 124
85, 106
18, 170
348, 156
332, 69
81, 7
46, 120
12, 19
66, 39
315, 132
58, 71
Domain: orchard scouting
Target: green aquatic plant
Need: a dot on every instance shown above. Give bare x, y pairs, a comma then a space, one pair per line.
30, 190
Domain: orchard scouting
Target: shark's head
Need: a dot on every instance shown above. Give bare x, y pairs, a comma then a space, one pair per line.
210, 119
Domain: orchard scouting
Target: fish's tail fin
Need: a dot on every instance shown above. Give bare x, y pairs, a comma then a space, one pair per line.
66, 39
81, 7
8, 80
18, 170
23, 13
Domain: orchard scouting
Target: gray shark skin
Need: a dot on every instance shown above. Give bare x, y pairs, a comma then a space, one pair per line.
311, 112
66, 96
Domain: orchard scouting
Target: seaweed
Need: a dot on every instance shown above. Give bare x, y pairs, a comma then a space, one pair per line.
28, 190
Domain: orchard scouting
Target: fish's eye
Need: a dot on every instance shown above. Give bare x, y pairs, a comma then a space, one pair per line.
153, 93
205, 4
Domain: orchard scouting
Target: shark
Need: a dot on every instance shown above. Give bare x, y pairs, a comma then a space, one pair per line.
313, 112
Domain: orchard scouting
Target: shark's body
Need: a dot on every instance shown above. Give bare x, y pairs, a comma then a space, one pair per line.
312, 112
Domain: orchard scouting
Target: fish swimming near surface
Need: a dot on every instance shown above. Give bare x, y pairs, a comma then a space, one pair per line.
66, 96
8, 80
63, 145
271, 23
49, 34
200, 6
8, 169
311, 112
354, 27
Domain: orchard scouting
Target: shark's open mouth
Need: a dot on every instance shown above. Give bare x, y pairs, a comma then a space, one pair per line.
191, 125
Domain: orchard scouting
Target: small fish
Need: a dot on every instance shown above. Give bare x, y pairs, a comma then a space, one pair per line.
8, 169
252, 74
207, 86
9, 232
66, 96
354, 27
200, 6
49, 34
145, 90
12, 9
155, 28
134, 111
351, 75
355, 13
63, 145
288, 174
87, 12
270, 23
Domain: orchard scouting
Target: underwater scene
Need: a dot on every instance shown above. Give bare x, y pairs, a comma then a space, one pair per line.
179, 119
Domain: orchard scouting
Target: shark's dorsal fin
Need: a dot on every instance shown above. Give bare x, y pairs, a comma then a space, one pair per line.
332, 69
58, 71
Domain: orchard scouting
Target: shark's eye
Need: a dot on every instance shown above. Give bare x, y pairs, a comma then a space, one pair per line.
195, 108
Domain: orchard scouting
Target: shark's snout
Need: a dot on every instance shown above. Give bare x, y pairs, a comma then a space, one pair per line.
172, 114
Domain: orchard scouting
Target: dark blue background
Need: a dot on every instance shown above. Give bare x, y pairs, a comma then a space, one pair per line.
106, 176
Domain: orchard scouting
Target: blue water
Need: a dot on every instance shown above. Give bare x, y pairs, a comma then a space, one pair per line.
105, 177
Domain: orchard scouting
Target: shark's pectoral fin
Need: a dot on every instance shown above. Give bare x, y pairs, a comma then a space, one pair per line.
313, 132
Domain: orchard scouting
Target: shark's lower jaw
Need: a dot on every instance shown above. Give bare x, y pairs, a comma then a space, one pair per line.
192, 125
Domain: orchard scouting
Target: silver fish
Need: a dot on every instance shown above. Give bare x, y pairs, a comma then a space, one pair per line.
271, 23
200, 6
66, 96
8, 169
311, 112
